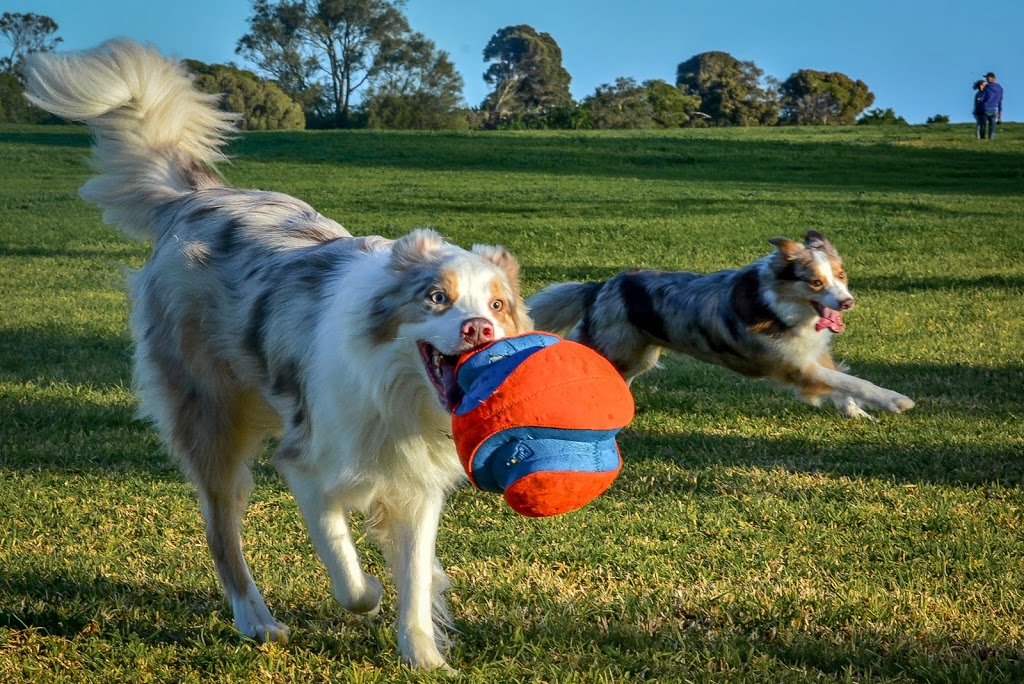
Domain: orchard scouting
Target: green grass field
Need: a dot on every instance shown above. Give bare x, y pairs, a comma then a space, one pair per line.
749, 538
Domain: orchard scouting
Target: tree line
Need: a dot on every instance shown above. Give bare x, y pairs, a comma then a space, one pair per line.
358, 63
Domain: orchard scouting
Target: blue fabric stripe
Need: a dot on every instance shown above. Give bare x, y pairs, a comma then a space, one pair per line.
511, 454
482, 373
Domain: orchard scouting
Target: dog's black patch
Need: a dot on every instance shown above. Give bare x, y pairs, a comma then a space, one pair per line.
716, 342
750, 308
788, 272
733, 326
590, 295
255, 331
382, 317
640, 309
286, 380
228, 238
317, 267
254, 271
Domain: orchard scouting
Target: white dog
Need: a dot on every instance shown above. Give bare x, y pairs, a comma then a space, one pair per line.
257, 315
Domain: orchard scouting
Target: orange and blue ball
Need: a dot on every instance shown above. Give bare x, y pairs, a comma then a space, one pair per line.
538, 421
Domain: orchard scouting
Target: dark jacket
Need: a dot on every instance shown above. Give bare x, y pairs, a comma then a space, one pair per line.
992, 98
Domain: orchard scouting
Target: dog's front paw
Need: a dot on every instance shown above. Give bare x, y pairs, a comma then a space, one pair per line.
419, 650
848, 406
896, 403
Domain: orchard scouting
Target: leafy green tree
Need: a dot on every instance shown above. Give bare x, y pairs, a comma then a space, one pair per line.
418, 88
628, 104
526, 73
276, 44
622, 104
938, 119
326, 51
27, 33
817, 97
881, 117
730, 91
261, 105
354, 37
671, 107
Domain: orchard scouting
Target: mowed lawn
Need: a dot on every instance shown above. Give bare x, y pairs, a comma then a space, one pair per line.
749, 537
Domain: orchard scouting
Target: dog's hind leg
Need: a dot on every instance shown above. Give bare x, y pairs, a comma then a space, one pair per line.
210, 430
327, 522
213, 428
221, 448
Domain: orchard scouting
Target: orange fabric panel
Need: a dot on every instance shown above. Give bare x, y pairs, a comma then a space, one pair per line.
566, 386
553, 492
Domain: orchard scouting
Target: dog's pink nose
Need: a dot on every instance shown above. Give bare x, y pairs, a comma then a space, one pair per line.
477, 331
846, 304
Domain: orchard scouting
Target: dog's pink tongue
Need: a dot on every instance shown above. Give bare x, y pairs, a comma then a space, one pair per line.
831, 319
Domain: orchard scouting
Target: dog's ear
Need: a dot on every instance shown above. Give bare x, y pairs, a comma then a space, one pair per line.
815, 240
414, 248
789, 249
518, 318
502, 258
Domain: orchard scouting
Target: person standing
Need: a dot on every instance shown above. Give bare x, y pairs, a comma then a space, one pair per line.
979, 110
992, 103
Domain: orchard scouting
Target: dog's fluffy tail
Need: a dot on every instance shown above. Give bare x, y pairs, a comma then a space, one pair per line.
156, 136
558, 308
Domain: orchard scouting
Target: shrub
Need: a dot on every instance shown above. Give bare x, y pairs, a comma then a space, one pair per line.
14, 108
881, 117
262, 104
413, 111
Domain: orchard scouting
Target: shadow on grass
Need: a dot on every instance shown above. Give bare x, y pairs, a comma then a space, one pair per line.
720, 639
63, 136
871, 164
121, 252
965, 429
61, 605
47, 356
781, 161
902, 283
768, 645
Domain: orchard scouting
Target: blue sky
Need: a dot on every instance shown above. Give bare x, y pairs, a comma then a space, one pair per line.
919, 58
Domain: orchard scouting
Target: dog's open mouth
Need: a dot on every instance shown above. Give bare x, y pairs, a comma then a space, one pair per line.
441, 371
829, 318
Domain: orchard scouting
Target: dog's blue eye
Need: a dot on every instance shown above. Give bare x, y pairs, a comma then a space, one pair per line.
438, 297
